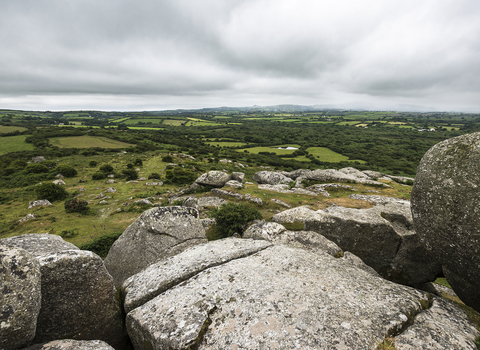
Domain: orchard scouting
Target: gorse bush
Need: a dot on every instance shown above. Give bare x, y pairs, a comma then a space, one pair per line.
180, 176
76, 205
130, 174
106, 169
101, 245
98, 176
36, 169
153, 176
232, 218
167, 159
51, 192
66, 170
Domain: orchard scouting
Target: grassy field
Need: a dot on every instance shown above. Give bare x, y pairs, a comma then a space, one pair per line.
324, 154
226, 144
145, 120
86, 142
256, 150
14, 144
173, 122
5, 129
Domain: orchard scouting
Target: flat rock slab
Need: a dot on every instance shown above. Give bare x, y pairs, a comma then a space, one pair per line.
280, 297
69, 344
159, 277
39, 244
20, 297
298, 214
438, 326
377, 199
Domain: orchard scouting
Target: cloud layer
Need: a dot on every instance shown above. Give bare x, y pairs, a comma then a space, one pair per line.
126, 55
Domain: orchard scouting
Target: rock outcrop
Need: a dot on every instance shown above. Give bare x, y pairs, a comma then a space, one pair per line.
157, 234
20, 297
445, 207
382, 237
213, 178
39, 203
77, 293
298, 214
271, 178
69, 344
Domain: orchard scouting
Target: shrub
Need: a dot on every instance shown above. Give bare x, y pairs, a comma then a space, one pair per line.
68, 233
36, 169
66, 170
130, 174
19, 163
138, 162
106, 169
232, 218
51, 192
101, 245
129, 166
98, 176
153, 176
180, 176
76, 205
167, 159
93, 164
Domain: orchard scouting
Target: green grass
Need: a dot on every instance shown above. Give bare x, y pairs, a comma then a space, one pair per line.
256, 150
226, 144
349, 123
324, 154
5, 129
143, 120
14, 144
87, 142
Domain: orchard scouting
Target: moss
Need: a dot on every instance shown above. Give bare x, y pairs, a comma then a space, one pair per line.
294, 226
387, 344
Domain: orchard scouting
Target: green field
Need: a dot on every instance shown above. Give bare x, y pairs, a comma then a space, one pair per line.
173, 122
226, 144
324, 154
143, 120
256, 150
5, 129
86, 142
14, 144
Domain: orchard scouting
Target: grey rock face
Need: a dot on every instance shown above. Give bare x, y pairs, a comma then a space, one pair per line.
190, 202
298, 214
38, 203
238, 176
208, 201
38, 159
297, 173
264, 230
279, 297
157, 234
26, 218
143, 201
20, 297
271, 178
285, 189
213, 178
159, 277
445, 207
59, 182
110, 190
274, 200
226, 193
347, 175
382, 237
69, 344
233, 183
377, 199
438, 326
39, 244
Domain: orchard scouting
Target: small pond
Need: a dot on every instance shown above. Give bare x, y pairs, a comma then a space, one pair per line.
287, 148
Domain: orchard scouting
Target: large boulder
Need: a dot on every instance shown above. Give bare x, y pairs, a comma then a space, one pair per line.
271, 178
78, 296
213, 178
298, 214
279, 297
19, 297
342, 175
445, 207
383, 237
156, 235
70, 344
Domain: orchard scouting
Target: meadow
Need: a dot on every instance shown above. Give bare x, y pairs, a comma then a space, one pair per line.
86, 142
14, 144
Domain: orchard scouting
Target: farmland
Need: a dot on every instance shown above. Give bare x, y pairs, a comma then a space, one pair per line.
86, 142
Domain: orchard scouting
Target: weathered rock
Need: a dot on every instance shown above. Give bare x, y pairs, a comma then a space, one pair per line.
78, 295
141, 178
264, 230
443, 326
286, 189
256, 200
104, 202
213, 178
208, 222
297, 173
209, 201
377, 199
38, 159
354, 172
339, 176
70, 344
382, 237
156, 235
402, 179
143, 201
26, 218
159, 277
233, 183
445, 207
226, 193
238, 176
274, 200
298, 214
159, 183
110, 190
190, 202
279, 297
20, 297
38, 203
322, 188
373, 174
59, 182
271, 178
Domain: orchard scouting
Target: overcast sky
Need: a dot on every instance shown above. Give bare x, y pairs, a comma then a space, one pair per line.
168, 54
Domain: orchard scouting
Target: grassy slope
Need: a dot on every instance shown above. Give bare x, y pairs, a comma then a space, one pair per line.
14, 144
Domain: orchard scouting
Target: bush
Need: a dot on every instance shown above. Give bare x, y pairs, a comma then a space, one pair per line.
130, 174
76, 205
93, 164
19, 164
51, 192
129, 166
138, 162
101, 245
153, 176
232, 218
98, 176
36, 169
106, 169
180, 176
66, 170
167, 159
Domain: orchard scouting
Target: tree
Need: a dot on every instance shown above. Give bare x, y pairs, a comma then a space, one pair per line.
51, 192
66, 170
232, 218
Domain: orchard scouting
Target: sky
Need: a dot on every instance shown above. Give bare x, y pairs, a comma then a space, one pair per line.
123, 55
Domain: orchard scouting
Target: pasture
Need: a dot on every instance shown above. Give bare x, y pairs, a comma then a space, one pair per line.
274, 149
14, 144
6, 129
226, 144
87, 142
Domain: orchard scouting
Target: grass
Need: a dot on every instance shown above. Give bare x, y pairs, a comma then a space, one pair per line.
144, 120
6, 129
273, 149
14, 144
226, 144
87, 142
324, 154
173, 122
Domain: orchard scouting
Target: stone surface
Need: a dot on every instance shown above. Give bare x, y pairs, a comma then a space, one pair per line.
282, 188
110, 190
143, 201
377, 199
38, 203
213, 178
333, 175
156, 235
298, 214
226, 193
280, 297
443, 326
209, 201
271, 178
274, 200
446, 211
382, 237
238, 176
26, 218
70, 344
39, 244
159, 277
234, 184
59, 182
20, 297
